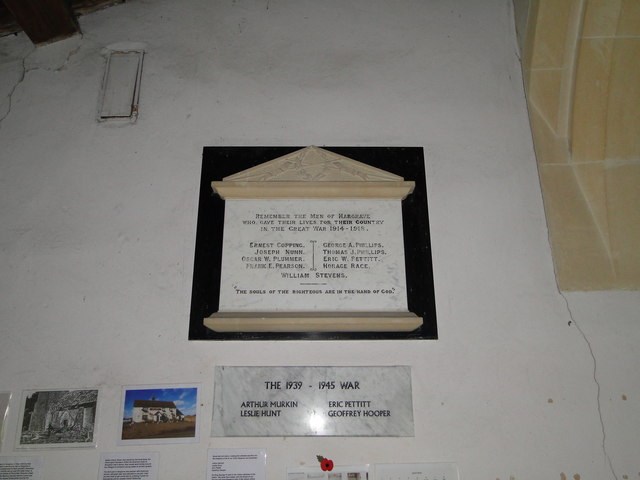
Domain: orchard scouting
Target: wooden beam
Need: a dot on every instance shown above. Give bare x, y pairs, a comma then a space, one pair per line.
43, 21
8, 24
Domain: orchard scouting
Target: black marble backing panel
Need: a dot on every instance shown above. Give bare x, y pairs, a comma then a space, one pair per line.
219, 162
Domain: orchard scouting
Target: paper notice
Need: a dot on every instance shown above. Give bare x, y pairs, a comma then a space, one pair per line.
20, 468
129, 466
236, 464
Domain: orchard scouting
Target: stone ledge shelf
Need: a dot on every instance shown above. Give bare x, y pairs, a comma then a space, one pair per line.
313, 321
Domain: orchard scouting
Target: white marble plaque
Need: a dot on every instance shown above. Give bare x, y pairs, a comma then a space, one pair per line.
313, 401
313, 255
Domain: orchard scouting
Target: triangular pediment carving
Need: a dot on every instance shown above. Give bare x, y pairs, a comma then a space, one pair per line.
313, 164
313, 172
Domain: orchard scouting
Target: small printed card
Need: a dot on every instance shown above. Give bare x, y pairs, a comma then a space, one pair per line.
129, 466
24, 468
236, 463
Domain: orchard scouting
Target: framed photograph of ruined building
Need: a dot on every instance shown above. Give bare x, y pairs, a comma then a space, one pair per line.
57, 419
157, 414
5, 397
312, 243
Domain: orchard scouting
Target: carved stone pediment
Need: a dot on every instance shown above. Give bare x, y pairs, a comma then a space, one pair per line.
313, 164
313, 172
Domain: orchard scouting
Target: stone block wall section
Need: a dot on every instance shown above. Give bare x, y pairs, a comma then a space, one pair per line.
581, 65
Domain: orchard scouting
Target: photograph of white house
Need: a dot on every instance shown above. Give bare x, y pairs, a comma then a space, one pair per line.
159, 414
155, 411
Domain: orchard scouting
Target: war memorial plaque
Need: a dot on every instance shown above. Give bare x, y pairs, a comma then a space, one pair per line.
313, 242
312, 401
313, 256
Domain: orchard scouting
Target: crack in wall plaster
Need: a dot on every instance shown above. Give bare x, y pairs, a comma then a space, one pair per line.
69, 55
23, 74
593, 357
595, 379
26, 70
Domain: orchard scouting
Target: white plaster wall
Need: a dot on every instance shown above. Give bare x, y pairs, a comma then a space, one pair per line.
98, 229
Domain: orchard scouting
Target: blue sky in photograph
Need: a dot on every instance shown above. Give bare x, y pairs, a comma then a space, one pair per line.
184, 398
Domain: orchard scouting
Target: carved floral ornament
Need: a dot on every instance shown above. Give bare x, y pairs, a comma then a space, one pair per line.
313, 172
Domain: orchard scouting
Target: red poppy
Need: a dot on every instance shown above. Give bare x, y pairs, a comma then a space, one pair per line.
325, 464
